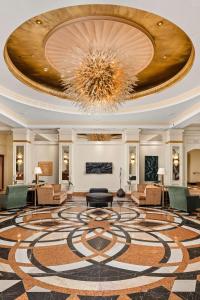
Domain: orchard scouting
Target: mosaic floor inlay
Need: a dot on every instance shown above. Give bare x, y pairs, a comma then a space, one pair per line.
78, 253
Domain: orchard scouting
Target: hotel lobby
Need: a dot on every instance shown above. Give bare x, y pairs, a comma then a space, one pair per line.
99, 150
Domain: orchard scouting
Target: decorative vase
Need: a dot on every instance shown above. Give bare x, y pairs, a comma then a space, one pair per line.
120, 192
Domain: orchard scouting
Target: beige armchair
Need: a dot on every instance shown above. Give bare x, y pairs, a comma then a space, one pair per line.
147, 195
50, 194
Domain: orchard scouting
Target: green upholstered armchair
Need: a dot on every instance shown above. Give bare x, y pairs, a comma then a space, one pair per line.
14, 197
179, 198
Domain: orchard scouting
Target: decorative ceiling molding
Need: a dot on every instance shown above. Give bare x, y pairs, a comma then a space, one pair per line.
171, 61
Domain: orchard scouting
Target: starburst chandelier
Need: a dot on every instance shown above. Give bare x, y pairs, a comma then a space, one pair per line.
99, 81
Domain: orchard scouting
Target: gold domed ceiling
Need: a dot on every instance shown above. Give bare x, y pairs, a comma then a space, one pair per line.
41, 51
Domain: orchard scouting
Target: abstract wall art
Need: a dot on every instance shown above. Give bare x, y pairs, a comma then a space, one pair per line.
151, 168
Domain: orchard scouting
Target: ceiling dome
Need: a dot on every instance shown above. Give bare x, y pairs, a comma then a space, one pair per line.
68, 43
39, 49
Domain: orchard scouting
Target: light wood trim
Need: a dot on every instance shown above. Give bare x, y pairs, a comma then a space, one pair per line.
65, 141
174, 142
132, 141
21, 141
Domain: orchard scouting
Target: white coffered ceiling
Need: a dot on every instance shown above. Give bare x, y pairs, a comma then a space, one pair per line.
178, 105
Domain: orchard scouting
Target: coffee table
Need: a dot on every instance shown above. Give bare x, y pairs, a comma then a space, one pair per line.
99, 199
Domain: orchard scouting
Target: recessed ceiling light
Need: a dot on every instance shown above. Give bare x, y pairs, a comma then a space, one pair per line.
46, 69
164, 57
160, 23
38, 21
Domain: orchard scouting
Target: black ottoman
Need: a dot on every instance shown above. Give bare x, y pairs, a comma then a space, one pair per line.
99, 199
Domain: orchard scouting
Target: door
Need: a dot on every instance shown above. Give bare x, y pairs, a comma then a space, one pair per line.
1, 172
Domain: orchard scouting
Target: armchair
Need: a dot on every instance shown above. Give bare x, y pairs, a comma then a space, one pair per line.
14, 197
50, 194
147, 195
179, 198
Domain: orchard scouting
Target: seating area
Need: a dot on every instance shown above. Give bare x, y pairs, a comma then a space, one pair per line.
100, 150
14, 197
181, 199
147, 195
51, 195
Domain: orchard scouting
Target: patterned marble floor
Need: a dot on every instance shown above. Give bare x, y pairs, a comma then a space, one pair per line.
120, 253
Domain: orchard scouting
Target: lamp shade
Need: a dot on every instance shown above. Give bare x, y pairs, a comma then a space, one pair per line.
161, 171
37, 171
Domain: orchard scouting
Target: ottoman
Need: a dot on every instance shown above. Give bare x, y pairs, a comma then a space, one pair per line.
99, 199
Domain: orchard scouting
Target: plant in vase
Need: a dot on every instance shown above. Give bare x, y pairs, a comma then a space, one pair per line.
70, 185
129, 185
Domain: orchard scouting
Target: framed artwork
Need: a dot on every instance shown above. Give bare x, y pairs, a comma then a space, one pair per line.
46, 167
151, 168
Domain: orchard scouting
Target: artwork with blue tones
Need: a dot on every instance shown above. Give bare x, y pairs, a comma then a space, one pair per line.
151, 168
98, 168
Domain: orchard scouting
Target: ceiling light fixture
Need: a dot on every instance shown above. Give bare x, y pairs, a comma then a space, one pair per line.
38, 21
160, 23
100, 81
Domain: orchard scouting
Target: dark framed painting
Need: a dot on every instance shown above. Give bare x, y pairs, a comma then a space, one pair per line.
98, 168
151, 168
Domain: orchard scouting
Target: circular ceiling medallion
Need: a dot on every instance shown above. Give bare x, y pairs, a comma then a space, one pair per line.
131, 43
40, 49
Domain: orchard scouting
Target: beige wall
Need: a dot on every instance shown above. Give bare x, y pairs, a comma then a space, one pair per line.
194, 166
6, 149
83, 153
46, 152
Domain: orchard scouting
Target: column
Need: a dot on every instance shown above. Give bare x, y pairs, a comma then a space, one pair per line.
22, 146
174, 157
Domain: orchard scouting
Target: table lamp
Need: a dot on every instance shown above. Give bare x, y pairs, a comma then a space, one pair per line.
37, 172
161, 172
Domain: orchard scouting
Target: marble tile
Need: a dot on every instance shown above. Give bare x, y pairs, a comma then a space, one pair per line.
167, 270
184, 286
115, 249
82, 249
192, 267
72, 266
21, 256
126, 266
37, 289
145, 259
176, 256
5, 284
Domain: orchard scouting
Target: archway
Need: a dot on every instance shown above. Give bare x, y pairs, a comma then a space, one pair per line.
193, 167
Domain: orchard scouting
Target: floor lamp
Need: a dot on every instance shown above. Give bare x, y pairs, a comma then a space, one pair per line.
161, 172
37, 172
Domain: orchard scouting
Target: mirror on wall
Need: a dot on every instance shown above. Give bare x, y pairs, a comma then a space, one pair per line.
19, 162
175, 163
65, 163
132, 163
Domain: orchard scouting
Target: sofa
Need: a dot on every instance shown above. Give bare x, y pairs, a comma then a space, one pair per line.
15, 197
147, 195
179, 198
51, 195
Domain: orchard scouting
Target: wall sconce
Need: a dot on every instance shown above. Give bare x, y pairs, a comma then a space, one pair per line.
19, 159
132, 158
65, 158
176, 159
